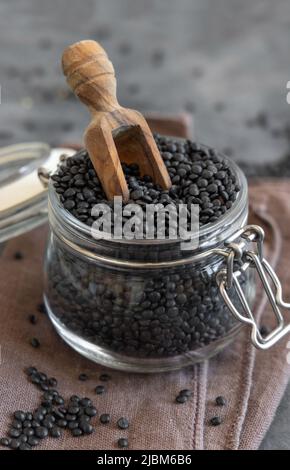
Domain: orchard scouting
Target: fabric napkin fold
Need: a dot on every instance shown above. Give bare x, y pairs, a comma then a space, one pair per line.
252, 381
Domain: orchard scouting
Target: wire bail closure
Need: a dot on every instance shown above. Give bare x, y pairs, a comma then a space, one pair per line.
238, 250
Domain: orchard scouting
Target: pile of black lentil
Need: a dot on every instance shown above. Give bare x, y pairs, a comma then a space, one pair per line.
199, 175
29, 428
54, 415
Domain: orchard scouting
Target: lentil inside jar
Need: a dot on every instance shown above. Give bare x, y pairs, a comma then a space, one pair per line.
151, 316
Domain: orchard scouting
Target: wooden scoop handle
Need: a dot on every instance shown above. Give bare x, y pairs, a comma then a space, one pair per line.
91, 75
115, 133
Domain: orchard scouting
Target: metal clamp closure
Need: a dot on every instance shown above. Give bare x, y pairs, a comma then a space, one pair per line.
238, 250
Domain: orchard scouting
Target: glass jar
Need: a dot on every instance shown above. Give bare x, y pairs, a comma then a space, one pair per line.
141, 305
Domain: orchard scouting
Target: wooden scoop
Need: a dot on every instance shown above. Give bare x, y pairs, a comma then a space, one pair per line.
115, 134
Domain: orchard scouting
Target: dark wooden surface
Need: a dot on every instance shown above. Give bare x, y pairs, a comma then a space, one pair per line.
225, 61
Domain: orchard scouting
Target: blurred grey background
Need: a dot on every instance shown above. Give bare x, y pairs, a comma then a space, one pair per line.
226, 62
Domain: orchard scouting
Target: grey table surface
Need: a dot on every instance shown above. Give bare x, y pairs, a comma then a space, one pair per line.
225, 61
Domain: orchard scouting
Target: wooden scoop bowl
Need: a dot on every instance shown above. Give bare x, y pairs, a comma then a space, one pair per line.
115, 134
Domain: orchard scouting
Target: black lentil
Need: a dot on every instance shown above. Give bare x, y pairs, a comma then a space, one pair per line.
17, 424
73, 410
85, 402
24, 446
52, 382
86, 427
83, 377
100, 389
77, 432
74, 398
123, 423
216, 421
69, 417
41, 308
35, 343
264, 330
44, 386
105, 377
90, 411
31, 370
105, 418
58, 400
14, 432
84, 418
62, 423
33, 441
73, 425
27, 423
5, 442
181, 399
19, 415
32, 319
35, 424
15, 444
123, 442
220, 401
55, 432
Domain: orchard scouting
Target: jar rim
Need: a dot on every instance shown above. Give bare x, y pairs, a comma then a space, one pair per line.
206, 232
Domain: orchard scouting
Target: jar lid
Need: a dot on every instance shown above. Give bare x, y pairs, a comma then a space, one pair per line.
24, 172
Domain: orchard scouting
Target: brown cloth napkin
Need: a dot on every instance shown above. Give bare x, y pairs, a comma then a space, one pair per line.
252, 381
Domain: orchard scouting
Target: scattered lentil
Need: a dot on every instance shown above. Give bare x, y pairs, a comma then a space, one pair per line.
90, 411
216, 421
100, 389
41, 308
4, 441
29, 428
123, 442
35, 343
123, 423
77, 432
41, 432
19, 415
220, 401
33, 441
105, 418
15, 444
264, 330
32, 319
83, 377
181, 399
105, 377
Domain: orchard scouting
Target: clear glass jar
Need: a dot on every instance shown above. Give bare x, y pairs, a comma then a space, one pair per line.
143, 306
